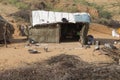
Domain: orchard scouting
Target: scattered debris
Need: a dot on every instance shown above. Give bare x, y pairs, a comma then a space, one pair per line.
97, 46
33, 51
111, 46
114, 53
32, 41
37, 44
46, 49
87, 46
28, 44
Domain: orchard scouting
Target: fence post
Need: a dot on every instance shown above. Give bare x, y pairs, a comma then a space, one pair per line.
4, 34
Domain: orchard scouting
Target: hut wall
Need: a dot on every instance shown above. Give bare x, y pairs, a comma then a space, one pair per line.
45, 33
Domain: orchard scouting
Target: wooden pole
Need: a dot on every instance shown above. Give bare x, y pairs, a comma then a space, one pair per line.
4, 35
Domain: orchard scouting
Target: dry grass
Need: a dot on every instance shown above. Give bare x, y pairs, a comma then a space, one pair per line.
63, 67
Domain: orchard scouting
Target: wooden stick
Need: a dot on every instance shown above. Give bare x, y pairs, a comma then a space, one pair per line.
5, 31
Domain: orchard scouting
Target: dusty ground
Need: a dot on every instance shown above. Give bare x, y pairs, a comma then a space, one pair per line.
17, 55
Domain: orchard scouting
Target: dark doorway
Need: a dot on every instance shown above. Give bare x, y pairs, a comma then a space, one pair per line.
70, 32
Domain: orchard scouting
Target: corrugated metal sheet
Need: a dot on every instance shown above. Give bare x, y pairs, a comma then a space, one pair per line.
47, 17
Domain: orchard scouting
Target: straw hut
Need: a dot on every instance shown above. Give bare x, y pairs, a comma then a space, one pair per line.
6, 30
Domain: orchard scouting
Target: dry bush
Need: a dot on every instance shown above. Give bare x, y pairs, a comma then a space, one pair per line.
22, 14
113, 53
63, 67
5, 27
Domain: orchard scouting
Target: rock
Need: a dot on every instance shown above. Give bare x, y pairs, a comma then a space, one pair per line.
32, 51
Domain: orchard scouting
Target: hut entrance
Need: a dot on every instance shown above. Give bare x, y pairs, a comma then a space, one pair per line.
70, 32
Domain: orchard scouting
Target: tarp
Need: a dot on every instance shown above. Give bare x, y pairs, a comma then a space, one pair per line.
58, 16
46, 17
81, 17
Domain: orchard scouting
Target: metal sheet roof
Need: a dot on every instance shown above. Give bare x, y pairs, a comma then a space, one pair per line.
46, 17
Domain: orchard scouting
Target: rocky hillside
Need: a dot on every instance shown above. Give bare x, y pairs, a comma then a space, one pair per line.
102, 11
97, 8
113, 6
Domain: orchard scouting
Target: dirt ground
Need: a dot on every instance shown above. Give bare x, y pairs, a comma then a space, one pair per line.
17, 55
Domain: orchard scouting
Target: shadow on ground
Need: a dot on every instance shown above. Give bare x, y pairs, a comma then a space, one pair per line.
22, 40
63, 67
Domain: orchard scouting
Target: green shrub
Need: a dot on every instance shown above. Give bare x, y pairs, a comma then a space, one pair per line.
103, 21
13, 1
105, 14
102, 12
21, 5
18, 4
